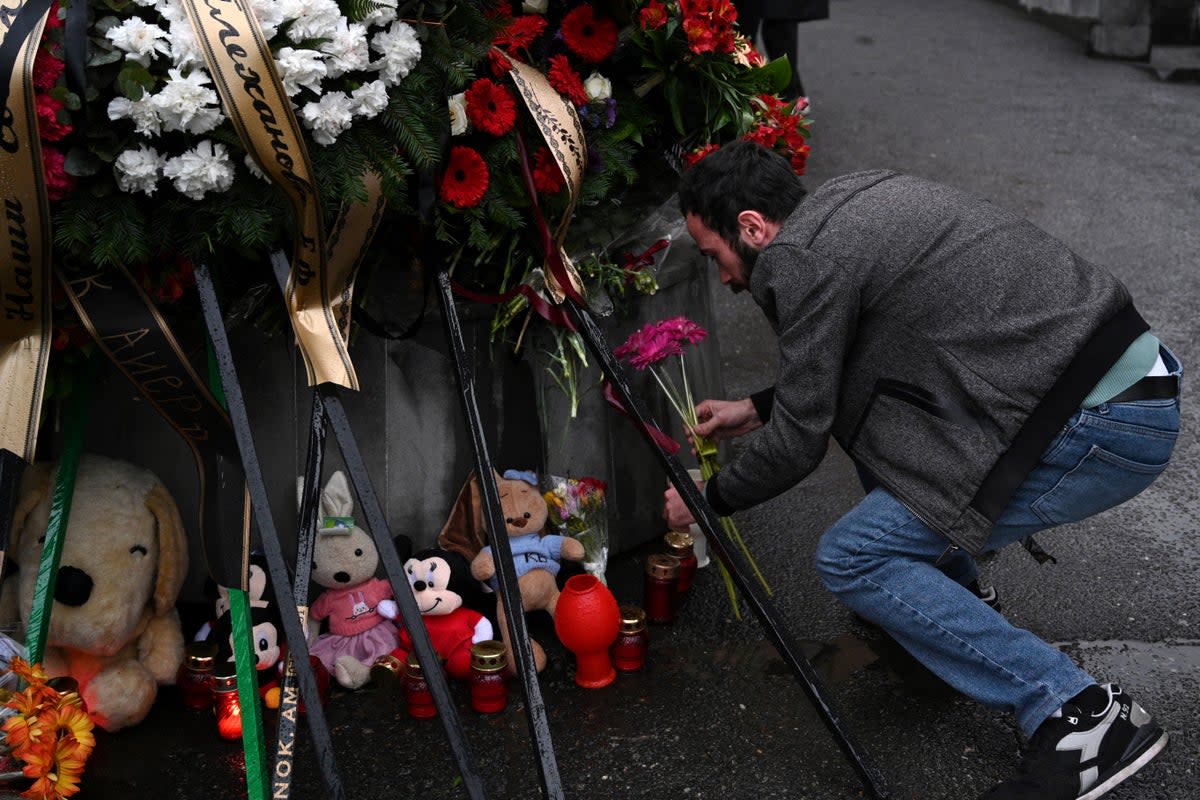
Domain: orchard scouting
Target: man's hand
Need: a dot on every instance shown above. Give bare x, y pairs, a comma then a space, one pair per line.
725, 419
675, 511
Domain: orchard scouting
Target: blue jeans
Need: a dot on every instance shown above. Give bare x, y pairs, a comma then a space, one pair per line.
894, 570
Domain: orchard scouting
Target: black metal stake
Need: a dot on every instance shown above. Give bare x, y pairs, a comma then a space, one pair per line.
289, 613
310, 495
733, 559
464, 372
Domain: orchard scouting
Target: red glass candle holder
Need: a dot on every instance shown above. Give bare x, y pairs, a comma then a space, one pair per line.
586, 621
681, 545
195, 676
226, 706
417, 696
661, 588
487, 681
633, 640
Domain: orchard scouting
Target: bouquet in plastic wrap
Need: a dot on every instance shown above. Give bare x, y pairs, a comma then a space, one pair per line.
577, 509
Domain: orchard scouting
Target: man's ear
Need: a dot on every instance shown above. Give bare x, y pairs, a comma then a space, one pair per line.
756, 230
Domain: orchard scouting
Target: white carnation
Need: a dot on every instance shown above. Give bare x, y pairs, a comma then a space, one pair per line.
348, 50
458, 113
369, 99
597, 87
300, 69
139, 170
185, 50
400, 49
270, 16
142, 112
382, 13
534, 6
311, 19
252, 165
205, 168
140, 40
187, 104
329, 117
172, 11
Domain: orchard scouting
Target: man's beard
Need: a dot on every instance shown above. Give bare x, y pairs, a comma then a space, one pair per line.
749, 257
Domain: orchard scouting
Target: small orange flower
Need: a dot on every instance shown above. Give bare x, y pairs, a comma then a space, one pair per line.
75, 726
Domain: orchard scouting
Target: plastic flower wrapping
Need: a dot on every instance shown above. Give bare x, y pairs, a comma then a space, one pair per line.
577, 509
659, 348
47, 733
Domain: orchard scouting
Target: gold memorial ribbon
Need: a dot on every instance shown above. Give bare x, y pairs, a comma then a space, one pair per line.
349, 239
563, 133
243, 70
24, 245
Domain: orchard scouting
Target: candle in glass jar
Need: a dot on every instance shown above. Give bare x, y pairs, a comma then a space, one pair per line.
681, 545
226, 706
629, 650
196, 673
661, 588
488, 685
417, 696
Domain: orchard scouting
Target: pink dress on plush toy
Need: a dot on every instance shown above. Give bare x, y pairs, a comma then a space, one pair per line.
356, 628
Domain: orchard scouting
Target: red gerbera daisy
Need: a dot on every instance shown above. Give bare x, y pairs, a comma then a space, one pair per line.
590, 37
520, 32
547, 177
566, 81
490, 107
466, 178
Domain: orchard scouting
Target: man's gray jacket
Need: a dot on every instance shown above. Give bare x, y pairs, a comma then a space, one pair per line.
942, 341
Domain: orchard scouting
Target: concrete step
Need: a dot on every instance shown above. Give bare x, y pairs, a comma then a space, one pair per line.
1175, 63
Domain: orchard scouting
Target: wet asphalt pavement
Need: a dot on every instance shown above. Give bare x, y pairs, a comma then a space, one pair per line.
979, 94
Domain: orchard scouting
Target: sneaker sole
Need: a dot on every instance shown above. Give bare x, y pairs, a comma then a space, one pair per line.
1146, 756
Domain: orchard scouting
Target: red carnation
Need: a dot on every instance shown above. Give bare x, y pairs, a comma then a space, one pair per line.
590, 37
490, 107
46, 70
49, 127
52, 19
547, 177
58, 183
566, 81
653, 16
466, 178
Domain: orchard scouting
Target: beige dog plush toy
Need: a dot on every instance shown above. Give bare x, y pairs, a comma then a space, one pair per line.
113, 625
536, 556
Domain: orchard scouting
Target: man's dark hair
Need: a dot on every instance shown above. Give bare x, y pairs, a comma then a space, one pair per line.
740, 176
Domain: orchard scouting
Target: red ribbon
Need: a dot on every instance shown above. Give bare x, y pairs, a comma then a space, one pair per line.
661, 439
554, 262
646, 259
551, 313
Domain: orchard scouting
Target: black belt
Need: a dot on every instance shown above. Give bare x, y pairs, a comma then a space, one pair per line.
1152, 387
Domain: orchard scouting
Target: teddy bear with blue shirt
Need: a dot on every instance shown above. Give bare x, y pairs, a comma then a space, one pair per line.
537, 556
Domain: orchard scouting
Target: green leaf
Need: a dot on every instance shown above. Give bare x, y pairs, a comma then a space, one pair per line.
82, 163
778, 74
134, 80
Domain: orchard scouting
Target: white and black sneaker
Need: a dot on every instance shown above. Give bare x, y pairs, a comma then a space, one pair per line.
1102, 738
